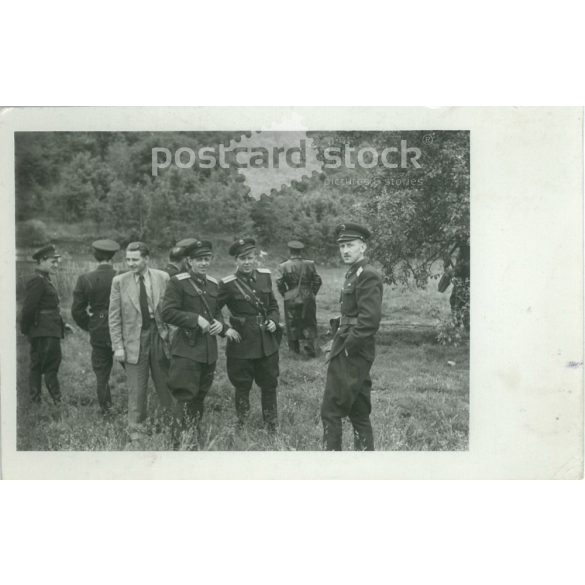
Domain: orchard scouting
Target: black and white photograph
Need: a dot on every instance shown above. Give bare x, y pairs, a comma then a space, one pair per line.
248, 286
237, 291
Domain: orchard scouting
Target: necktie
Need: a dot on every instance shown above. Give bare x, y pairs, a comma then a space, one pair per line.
144, 304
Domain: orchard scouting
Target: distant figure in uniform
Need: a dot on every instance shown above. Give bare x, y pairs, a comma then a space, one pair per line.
254, 333
91, 301
459, 276
178, 257
175, 263
298, 282
348, 384
41, 322
190, 304
139, 334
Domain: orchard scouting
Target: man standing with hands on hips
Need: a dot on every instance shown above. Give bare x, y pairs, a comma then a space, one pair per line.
254, 334
348, 384
139, 335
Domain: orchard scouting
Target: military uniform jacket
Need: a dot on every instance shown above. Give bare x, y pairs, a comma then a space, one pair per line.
182, 306
246, 318
290, 274
92, 292
40, 315
172, 270
361, 299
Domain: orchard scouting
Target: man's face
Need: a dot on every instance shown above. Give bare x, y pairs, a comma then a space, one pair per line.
135, 261
352, 251
50, 265
200, 265
246, 262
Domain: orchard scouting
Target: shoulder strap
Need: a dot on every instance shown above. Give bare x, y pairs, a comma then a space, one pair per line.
302, 273
202, 297
250, 296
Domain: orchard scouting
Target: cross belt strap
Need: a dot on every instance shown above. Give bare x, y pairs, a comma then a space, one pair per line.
202, 297
251, 297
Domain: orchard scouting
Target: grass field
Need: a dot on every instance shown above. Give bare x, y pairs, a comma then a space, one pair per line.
420, 395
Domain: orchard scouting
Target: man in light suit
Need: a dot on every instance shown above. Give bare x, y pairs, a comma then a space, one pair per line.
139, 335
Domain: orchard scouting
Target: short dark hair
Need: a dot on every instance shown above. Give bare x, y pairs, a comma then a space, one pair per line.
138, 246
176, 254
101, 255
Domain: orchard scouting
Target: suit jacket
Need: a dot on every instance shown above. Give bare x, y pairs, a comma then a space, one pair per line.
125, 318
182, 306
91, 300
361, 298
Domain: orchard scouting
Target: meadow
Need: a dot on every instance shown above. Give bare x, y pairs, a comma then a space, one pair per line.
420, 397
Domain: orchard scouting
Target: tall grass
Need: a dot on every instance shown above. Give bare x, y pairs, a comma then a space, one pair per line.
420, 399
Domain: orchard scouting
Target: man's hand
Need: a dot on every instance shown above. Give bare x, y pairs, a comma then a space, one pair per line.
270, 326
233, 335
120, 355
215, 328
203, 323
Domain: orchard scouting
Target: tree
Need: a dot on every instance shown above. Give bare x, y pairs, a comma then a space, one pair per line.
420, 215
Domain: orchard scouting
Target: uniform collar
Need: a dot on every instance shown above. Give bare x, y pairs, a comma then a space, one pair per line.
43, 274
354, 267
250, 277
198, 278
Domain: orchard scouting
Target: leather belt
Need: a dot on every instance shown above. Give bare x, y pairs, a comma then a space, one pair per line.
345, 320
258, 319
50, 311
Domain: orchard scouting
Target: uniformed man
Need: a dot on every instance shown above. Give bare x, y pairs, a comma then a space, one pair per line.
298, 282
458, 275
176, 259
254, 333
190, 304
41, 322
348, 385
459, 299
91, 301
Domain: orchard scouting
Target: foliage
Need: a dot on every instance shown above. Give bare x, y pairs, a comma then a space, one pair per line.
451, 333
32, 232
419, 401
416, 215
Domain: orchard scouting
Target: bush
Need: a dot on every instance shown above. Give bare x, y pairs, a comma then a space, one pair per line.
452, 333
32, 232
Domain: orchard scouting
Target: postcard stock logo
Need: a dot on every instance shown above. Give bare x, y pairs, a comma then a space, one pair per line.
274, 159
